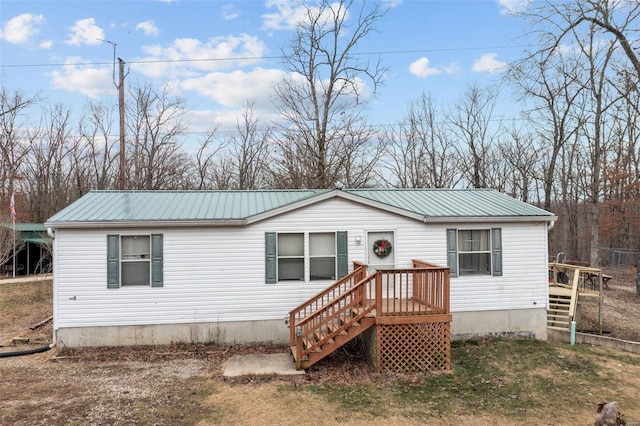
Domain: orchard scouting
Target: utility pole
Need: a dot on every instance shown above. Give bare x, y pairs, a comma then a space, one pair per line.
120, 86
122, 126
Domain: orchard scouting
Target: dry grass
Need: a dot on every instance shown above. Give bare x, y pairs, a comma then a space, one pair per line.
493, 382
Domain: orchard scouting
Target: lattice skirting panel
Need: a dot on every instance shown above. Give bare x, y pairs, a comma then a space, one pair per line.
413, 347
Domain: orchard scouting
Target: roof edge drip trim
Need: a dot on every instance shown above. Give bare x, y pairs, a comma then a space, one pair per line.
486, 219
147, 223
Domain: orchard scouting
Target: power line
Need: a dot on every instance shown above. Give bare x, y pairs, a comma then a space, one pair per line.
256, 58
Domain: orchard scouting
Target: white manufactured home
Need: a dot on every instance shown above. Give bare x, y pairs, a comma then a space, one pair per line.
158, 267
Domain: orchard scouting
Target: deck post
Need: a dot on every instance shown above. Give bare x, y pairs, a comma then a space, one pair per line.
379, 292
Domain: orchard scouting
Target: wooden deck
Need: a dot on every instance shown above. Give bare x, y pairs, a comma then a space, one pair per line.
567, 285
419, 302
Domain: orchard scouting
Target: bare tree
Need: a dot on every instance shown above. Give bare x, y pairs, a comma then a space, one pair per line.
97, 131
249, 150
205, 157
49, 181
472, 121
8, 244
560, 22
552, 87
324, 92
14, 141
156, 160
521, 153
419, 152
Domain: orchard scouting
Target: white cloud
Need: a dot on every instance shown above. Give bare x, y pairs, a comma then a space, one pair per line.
235, 88
20, 29
288, 13
229, 12
452, 68
147, 27
85, 31
45, 44
489, 63
189, 56
90, 81
392, 3
420, 68
291, 12
513, 7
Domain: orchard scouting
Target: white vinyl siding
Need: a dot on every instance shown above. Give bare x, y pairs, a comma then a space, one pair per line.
217, 274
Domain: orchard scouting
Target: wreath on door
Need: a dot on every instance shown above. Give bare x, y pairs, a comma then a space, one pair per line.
382, 248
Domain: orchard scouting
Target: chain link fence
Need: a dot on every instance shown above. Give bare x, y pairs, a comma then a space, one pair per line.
618, 258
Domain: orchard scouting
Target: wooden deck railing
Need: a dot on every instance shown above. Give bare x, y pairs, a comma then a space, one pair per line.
332, 319
580, 281
315, 304
421, 290
589, 281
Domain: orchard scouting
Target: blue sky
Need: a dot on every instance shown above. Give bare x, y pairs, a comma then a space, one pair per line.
55, 48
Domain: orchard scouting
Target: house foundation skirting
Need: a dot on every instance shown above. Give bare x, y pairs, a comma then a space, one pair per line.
397, 345
223, 333
521, 323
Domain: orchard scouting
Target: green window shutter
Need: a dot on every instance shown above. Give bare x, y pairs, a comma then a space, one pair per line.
343, 258
270, 258
157, 251
452, 251
496, 251
113, 261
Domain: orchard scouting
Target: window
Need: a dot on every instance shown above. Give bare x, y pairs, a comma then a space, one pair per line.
474, 251
305, 256
134, 260
290, 257
474, 255
322, 256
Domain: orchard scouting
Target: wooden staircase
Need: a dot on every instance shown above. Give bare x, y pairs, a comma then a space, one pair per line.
413, 300
568, 283
332, 318
559, 314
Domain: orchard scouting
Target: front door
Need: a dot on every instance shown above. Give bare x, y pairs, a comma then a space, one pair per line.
381, 254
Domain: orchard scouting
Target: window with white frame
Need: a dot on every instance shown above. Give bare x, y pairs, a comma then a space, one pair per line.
474, 251
291, 257
134, 260
305, 256
322, 256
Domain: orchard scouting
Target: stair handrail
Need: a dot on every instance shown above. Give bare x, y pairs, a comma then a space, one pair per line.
357, 295
358, 273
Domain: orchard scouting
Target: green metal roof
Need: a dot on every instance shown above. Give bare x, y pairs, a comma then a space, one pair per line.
35, 233
452, 203
26, 227
128, 206
240, 206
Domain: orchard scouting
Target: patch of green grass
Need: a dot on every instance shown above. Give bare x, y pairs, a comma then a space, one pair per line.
511, 376
508, 377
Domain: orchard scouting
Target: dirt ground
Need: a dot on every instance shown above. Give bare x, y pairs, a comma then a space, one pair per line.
183, 384
621, 310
